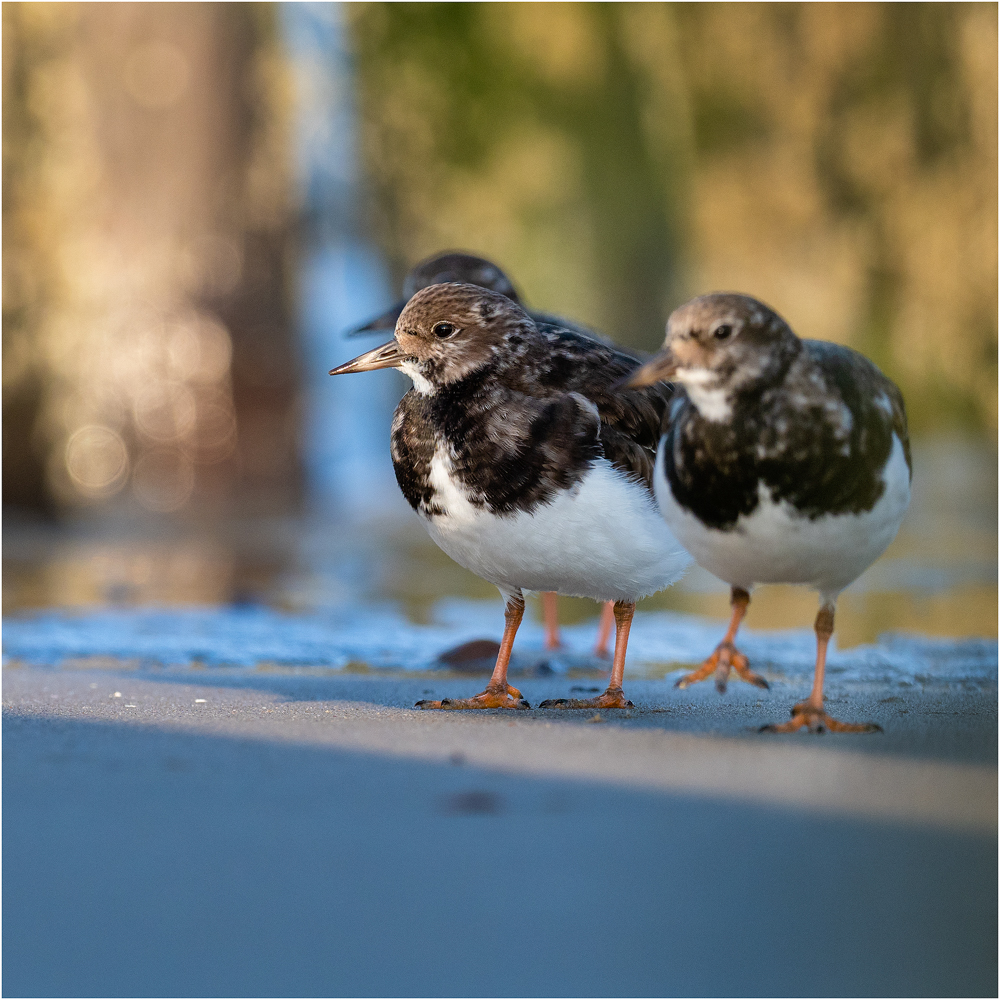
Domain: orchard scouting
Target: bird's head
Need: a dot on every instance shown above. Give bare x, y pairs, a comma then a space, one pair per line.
436, 270
461, 267
716, 345
446, 332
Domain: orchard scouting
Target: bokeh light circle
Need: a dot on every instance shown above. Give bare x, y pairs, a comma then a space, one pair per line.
215, 437
163, 479
165, 411
96, 460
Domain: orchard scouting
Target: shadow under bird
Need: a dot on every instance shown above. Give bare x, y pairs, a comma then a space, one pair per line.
466, 268
526, 465
783, 461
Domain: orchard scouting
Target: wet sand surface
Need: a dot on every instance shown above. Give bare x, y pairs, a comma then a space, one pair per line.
232, 832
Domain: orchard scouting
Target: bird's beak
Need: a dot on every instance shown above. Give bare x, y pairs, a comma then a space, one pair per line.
387, 321
660, 369
387, 356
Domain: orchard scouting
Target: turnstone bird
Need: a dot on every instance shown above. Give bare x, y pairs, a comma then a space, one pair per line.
472, 270
525, 464
783, 461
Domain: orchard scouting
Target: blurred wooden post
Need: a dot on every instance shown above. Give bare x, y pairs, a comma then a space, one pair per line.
146, 250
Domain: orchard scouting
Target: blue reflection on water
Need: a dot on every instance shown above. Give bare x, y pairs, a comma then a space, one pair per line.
378, 636
342, 279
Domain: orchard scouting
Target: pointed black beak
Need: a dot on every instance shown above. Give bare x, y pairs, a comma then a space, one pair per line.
387, 321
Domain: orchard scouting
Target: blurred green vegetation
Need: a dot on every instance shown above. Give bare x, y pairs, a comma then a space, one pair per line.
837, 160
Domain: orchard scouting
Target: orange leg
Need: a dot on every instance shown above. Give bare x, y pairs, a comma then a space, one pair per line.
550, 615
614, 696
498, 693
726, 656
810, 714
604, 629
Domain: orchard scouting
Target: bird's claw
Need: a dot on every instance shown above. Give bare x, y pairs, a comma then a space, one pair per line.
723, 660
612, 698
816, 720
505, 697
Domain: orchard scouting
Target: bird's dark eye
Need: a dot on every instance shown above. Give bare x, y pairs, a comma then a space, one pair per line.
442, 330
723, 332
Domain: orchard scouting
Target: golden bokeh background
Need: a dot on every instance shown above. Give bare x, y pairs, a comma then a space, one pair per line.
147, 205
838, 161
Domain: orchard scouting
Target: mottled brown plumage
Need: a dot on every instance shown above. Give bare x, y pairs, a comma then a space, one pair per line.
784, 461
562, 334
526, 463
526, 410
812, 422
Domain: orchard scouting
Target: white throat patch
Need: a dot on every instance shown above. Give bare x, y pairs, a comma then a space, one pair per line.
709, 399
421, 384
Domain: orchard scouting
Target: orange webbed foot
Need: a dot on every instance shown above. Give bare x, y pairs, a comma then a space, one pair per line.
612, 698
816, 720
493, 697
725, 659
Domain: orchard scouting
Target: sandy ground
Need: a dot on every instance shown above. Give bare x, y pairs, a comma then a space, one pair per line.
231, 833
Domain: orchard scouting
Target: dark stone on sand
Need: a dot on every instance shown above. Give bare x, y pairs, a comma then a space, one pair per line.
478, 656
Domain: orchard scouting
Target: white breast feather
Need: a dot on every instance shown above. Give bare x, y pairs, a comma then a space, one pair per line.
602, 539
776, 544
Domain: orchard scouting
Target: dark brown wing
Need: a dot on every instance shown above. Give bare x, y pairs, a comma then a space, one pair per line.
632, 420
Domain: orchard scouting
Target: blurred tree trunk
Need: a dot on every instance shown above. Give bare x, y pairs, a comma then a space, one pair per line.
147, 340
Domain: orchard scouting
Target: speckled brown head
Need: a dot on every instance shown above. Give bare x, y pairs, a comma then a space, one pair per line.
448, 331
716, 344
